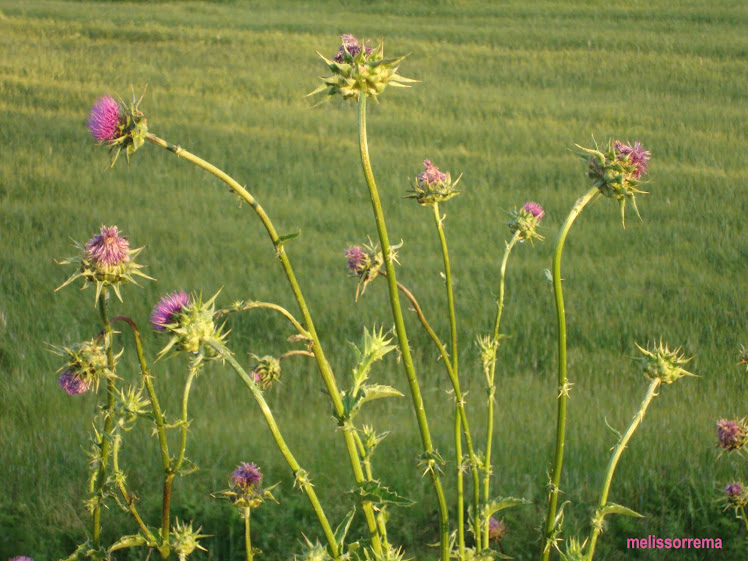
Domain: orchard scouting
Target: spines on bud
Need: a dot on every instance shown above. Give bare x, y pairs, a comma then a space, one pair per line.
118, 125
662, 363
432, 186
524, 222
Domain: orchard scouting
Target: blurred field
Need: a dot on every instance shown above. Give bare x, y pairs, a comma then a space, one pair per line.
505, 92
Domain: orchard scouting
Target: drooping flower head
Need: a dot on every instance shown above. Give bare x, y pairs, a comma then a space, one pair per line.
524, 222
118, 125
432, 186
267, 371
72, 384
732, 434
358, 69
105, 120
660, 362
365, 263
190, 321
497, 529
168, 309
105, 260
246, 477
617, 171
86, 363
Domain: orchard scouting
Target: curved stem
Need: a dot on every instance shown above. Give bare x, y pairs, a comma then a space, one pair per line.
300, 474
108, 419
597, 523
322, 363
402, 337
563, 386
487, 467
268, 306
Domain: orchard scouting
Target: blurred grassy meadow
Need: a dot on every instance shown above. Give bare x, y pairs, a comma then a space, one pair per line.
505, 92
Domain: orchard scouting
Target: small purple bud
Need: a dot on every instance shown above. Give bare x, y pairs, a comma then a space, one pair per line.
72, 384
535, 209
108, 248
731, 434
168, 308
104, 119
350, 44
246, 477
636, 154
496, 529
356, 259
735, 494
431, 174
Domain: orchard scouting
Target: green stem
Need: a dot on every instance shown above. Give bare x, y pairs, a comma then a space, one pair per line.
247, 541
322, 363
487, 467
108, 422
744, 518
563, 387
402, 337
264, 305
281, 443
597, 523
438, 220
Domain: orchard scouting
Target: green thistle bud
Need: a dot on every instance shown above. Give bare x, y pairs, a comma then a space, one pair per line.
191, 324
184, 540
525, 222
359, 69
266, 371
617, 171
432, 186
86, 363
660, 362
129, 406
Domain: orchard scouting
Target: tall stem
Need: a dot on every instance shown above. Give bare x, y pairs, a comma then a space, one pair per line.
487, 468
105, 445
319, 355
563, 386
597, 524
247, 540
402, 337
300, 474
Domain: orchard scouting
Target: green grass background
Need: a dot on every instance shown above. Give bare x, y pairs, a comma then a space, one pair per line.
506, 90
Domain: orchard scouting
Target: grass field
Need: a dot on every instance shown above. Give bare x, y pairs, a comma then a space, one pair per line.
505, 92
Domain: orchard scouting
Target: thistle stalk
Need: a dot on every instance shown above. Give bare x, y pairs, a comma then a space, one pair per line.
597, 523
491, 381
563, 385
400, 329
247, 540
300, 474
322, 363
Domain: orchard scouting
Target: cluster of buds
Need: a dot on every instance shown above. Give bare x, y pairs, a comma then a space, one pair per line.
365, 263
267, 371
86, 364
736, 495
732, 434
118, 125
190, 322
662, 363
105, 260
432, 186
358, 69
617, 171
524, 222
184, 539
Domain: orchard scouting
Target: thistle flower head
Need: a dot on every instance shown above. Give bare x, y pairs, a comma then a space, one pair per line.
732, 434
497, 529
365, 263
246, 477
525, 221
662, 363
72, 384
118, 125
105, 260
86, 364
168, 309
184, 540
617, 171
432, 186
358, 69
266, 371
190, 322
105, 120
736, 495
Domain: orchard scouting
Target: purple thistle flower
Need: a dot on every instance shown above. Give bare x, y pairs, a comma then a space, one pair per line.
350, 44
246, 476
734, 490
730, 434
108, 247
496, 529
431, 174
535, 209
636, 154
356, 258
104, 119
72, 384
167, 309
